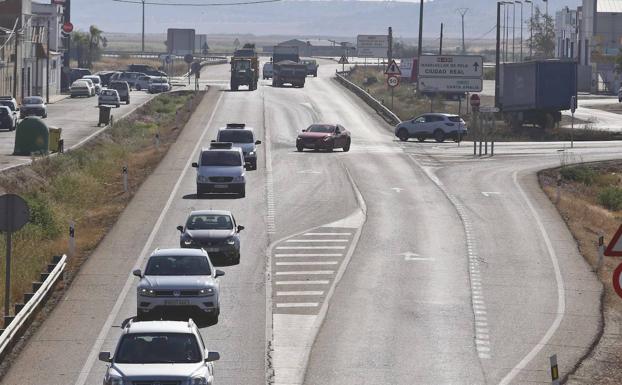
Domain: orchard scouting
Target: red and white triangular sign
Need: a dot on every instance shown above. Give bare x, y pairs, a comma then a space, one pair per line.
614, 248
393, 69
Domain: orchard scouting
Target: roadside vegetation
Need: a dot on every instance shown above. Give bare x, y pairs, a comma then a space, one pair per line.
591, 205
85, 186
407, 104
120, 63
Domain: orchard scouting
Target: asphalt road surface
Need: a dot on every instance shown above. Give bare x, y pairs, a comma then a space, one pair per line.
394, 263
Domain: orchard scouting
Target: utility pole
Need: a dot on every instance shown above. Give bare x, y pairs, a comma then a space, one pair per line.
521, 28
530, 29
143, 35
420, 29
67, 19
440, 48
47, 67
497, 54
16, 41
505, 30
513, 30
462, 12
390, 49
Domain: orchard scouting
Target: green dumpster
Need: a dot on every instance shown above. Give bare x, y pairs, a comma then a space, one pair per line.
54, 142
32, 136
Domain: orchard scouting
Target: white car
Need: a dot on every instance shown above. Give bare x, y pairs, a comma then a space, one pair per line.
432, 125
267, 70
142, 83
108, 97
97, 82
160, 352
91, 84
179, 280
82, 87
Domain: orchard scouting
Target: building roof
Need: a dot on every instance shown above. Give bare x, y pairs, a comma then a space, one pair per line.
609, 6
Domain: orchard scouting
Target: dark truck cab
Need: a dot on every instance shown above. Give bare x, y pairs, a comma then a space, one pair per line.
289, 72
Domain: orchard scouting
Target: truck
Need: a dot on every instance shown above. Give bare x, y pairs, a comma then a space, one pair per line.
245, 68
536, 92
288, 72
311, 67
283, 52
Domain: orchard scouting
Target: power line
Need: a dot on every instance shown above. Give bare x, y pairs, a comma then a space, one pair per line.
197, 4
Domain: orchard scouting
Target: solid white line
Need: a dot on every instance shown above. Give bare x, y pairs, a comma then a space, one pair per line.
310, 247
310, 272
320, 282
306, 255
301, 293
306, 263
301, 304
88, 365
317, 240
342, 234
561, 300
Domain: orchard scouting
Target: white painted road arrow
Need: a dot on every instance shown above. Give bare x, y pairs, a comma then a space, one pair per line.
410, 256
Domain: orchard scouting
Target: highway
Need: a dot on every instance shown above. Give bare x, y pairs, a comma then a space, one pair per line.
394, 263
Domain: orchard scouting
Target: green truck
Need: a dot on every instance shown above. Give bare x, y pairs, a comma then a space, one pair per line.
289, 72
245, 68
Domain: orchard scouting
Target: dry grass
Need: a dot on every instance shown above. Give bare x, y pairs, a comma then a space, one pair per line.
85, 186
587, 220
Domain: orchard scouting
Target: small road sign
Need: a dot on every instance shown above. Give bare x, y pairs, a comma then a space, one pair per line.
488, 109
14, 212
343, 60
573, 104
67, 27
188, 58
614, 248
475, 101
393, 69
617, 275
393, 81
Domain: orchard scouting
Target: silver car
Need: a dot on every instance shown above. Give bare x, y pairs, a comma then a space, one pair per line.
179, 282
33, 106
213, 230
97, 82
109, 97
241, 136
142, 83
439, 126
160, 352
220, 169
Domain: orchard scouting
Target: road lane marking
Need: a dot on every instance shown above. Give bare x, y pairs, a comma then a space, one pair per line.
561, 299
343, 234
320, 282
310, 247
101, 337
300, 304
299, 293
306, 255
306, 263
490, 193
304, 272
318, 240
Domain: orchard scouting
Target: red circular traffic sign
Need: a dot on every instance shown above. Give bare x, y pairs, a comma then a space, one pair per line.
67, 27
616, 280
475, 100
393, 81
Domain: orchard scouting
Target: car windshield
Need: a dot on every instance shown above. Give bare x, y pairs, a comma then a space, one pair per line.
7, 103
326, 128
178, 265
33, 100
235, 136
94, 80
4, 112
221, 158
160, 80
209, 222
107, 93
456, 119
158, 348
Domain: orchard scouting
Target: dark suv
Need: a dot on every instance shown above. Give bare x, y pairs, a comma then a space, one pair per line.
123, 89
6, 119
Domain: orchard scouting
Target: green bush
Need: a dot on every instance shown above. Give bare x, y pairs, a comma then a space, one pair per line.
611, 198
580, 174
42, 216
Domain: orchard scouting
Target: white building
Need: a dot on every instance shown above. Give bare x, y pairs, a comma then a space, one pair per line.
45, 25
566, 33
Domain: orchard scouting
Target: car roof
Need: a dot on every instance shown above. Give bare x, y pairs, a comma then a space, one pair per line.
5, 108
179, 252
159, 327
438, 114
236, 149
207, 212
246, 128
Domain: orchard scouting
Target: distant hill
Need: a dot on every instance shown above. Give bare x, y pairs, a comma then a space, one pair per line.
292, 17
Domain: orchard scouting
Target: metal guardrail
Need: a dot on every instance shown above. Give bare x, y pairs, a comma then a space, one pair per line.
374, 103
7, 338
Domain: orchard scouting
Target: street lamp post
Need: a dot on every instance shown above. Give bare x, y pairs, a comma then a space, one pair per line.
530, 28
521, 28
505, 31
513, 29
143, 35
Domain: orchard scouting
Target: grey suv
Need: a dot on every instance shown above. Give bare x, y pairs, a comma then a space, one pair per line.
179, 281
433, 125
160, 352
213, 230
220, 169
241, 136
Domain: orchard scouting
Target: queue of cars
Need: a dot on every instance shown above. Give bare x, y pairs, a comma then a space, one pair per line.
10, 111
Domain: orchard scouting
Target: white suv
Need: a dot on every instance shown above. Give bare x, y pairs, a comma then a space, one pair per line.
179, 281
160, 352
433, 125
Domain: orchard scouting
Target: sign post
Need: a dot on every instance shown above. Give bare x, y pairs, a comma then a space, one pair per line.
343, 61
14, 214
393, 73
554, 370
573, 108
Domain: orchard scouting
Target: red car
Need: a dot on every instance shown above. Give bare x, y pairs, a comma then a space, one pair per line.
324, 136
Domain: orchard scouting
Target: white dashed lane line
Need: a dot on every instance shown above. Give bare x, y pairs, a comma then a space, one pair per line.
304, 267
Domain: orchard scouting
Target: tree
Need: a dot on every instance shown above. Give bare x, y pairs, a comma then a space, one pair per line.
86, 47
618, 62
543, 41
95, 38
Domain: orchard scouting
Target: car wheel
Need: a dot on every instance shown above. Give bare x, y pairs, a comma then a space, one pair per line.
243, 192
127, 101
439, 135
403, 134
118, 105
254, 165
421, 138
346, 148
137, 88
299, 148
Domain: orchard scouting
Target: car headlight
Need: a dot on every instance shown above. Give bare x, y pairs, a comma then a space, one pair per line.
208, 291
188, 241
327, 138
231, 241
199, 381
146, 292
114, 381
239, 178
202, 178
251, 153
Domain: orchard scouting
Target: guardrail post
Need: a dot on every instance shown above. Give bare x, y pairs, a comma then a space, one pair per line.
554, 370
492, 148
601, 252
474, 147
